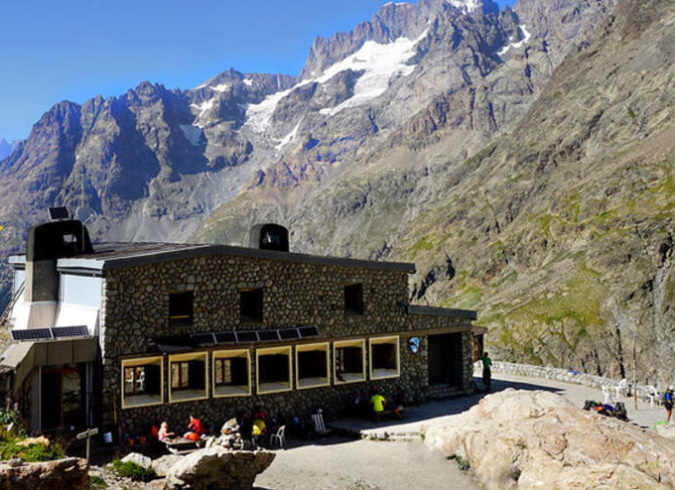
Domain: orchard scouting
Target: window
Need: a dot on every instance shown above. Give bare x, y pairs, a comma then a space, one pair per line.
354, 299
142, 382
273, 369
180, 308
384, 358
187, 377
349, 361
231, 373
251, 305
311, 362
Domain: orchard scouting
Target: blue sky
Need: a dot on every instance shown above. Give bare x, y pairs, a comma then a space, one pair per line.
76, 49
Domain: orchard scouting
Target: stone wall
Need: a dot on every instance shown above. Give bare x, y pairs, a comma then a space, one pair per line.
556, 374
136, 304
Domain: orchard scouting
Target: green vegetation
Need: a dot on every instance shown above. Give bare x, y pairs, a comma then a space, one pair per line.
135, 472
13, 443
463, 464
97, 483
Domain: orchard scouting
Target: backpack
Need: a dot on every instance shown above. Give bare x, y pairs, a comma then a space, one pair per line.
666, 397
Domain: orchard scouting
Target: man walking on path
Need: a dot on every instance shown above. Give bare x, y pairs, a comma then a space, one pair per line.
487, 373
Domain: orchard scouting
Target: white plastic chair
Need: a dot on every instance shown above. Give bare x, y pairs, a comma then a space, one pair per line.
621, 388
653, 395
607, 398
279, 437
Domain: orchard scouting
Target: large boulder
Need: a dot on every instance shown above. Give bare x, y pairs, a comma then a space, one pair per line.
62, 474
536, 439
218, 467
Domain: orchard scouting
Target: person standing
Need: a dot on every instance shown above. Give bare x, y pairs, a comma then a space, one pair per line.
487, 372
668, 402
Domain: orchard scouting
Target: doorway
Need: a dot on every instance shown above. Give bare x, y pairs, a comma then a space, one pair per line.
61, 398
445, 360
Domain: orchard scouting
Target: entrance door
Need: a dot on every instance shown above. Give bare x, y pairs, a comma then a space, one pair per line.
445, 359
62, 401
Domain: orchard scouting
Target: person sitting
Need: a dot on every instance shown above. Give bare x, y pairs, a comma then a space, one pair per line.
259, 413
164, 433
399, 403
259, 432
195, 429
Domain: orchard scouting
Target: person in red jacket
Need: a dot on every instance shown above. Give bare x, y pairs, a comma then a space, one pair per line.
195, 429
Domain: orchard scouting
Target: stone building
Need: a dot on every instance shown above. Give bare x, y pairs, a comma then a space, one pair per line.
122, 336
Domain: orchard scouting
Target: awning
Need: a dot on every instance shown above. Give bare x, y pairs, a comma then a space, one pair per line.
23, 357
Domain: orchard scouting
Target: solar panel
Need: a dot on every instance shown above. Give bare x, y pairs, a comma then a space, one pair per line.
223, 337
32, 334
289, 333
309, 331
58, 213
204, 338
268, 335
247, 336
76, 331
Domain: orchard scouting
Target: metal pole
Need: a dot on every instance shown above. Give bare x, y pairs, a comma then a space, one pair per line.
635, 393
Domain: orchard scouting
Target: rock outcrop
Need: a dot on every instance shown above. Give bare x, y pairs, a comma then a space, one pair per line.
536, 439
217, 467
63, 474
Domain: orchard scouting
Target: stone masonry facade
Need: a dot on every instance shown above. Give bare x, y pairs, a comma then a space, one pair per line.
136, 304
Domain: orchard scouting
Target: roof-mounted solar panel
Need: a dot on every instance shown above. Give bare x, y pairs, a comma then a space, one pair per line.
58, 213
289, 334
204, 338
268, 334
224, 337
32, 334
247, 336
76, 331
309, 331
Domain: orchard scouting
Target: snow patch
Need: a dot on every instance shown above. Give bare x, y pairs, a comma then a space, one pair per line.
248, 81
223, 87
526, 37
289, 137
466, 5
258, 115
203, 109
192, 133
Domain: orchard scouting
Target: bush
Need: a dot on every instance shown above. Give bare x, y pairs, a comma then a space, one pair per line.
136, 472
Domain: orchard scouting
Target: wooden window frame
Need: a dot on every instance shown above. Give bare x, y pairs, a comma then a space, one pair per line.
344, 377
316, 381
183, 394
381, 372
221, 391
143, 399
285, 350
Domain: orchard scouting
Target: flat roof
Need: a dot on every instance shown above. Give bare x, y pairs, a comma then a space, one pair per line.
110, 256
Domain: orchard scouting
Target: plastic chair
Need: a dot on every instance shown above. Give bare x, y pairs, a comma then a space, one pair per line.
279, 438
653, 395
621, 388
607, 399
319, 425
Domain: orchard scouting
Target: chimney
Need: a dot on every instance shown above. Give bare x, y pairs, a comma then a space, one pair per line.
46, 244
269, 236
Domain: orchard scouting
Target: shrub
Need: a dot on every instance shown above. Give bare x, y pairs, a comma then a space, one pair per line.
463, 464
136, 472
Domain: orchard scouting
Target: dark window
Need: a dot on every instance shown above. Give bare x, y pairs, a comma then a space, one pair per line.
312, 364
231, 371
349, 360
384, 356
273, 368
187, 375
251, 306
180, 308
142, 380
354, 299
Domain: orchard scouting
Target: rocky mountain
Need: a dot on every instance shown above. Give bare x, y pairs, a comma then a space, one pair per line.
522, 159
